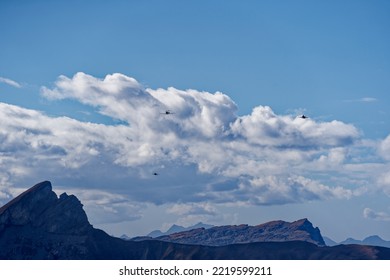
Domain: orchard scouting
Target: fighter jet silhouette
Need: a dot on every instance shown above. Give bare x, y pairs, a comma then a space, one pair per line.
167, 112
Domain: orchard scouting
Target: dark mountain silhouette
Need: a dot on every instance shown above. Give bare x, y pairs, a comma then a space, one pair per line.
275, 231
39, 225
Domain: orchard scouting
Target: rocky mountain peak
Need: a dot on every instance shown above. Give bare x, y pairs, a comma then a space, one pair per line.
31, 197
39, 207
303, 222
306, 227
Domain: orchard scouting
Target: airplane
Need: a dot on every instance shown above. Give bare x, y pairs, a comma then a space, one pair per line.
155, 173
167, 112
304, 117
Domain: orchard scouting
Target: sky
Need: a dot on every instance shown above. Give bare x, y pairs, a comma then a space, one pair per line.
85, 87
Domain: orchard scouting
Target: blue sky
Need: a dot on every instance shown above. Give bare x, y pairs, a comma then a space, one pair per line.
236, 74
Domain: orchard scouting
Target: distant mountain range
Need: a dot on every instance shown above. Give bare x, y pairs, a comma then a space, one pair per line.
373, 240
175, 229
39, 225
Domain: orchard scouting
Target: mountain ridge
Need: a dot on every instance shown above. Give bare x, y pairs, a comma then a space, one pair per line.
39, 225
273, 231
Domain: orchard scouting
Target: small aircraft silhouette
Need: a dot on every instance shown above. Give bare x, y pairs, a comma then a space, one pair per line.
167, 112
155, 173
304, 117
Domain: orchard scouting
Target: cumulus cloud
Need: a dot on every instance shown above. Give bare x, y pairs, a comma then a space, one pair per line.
274, 190
197, 114
264, 127
203, 151
10, 82
121, 97
368, 213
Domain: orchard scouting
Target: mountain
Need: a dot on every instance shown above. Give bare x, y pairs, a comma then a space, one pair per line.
350, 241
124, 237
175, 229
275, 231
172, 229
329, 242
373, 240
39, 225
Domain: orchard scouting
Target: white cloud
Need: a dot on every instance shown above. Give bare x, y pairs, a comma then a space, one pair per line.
384, 148
203, 152
10, 82
264, 127
367, 99
279, 190
383, 181
121, 97
192, 209
110, 95
374, 215
383, 178
363, 100
335, 156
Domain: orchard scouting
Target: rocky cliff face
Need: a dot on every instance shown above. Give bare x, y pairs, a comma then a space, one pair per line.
39, 207
276, 231
39, 225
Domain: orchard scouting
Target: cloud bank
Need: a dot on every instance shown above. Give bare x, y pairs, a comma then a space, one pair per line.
204, 153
